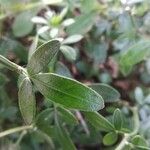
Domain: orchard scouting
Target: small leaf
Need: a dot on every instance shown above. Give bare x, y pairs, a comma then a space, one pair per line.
22, 24
72, 39
42, 56
117, 119
67, 115
82, 24
108, 93
110, 138
133, 55
69, 52
97, 51
98, 121
61, 69
139, 141
64, 139
27, 102
68, 92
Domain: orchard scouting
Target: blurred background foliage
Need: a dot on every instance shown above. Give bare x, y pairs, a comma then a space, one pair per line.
103, 41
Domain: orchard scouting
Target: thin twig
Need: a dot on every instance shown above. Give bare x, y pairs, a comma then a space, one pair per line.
14, 130
83, 123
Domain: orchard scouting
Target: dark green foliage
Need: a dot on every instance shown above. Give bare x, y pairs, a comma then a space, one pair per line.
81, 69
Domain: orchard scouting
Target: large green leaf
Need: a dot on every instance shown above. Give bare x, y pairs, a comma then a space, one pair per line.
98, 121
27, 102
108, 93
42, 56
133, 55
68, 92
82, 24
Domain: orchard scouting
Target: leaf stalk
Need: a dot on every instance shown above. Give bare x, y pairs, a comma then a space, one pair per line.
12, 66
14, 130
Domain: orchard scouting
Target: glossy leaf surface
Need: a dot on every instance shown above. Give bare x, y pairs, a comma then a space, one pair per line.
68, 92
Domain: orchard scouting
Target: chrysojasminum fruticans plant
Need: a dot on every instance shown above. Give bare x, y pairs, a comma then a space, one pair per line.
64, 91
66, 97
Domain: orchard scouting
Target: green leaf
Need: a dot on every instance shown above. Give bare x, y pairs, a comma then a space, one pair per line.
44, 122
133, 55
98, 121
10, 45
117, 119
69, 52
110, 138
42, 56
67, 115
82, 24
27, 102
108, 93
97, 51
68, 92
61, 69
88, 5
64, 139
72, 39
22, 24
139, 141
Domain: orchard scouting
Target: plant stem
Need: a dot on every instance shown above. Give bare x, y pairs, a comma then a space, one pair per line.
12, 66
128, 136
24, 132
14, 130
83, 123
